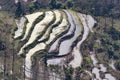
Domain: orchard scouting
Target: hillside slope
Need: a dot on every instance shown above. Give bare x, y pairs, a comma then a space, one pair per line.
59, 44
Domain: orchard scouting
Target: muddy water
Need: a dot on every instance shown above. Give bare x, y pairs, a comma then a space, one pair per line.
71, 30
65, 46
96, 71
109, 77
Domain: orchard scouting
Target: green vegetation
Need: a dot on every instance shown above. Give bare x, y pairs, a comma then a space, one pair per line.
2, 45
110, 42
95, 7
55, 4
19, 11
68, 73
33, 7
105, 43
96, 46
117, 65
1, 15
87, 63
69, 4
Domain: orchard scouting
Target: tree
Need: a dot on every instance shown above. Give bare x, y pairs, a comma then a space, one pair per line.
31, 8
53, 4
2, 46
68, 73
69, 4
18, 11
34, 6
116, 56
78, 73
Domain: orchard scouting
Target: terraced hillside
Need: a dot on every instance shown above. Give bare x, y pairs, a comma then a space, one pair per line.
55, 37
59, 32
